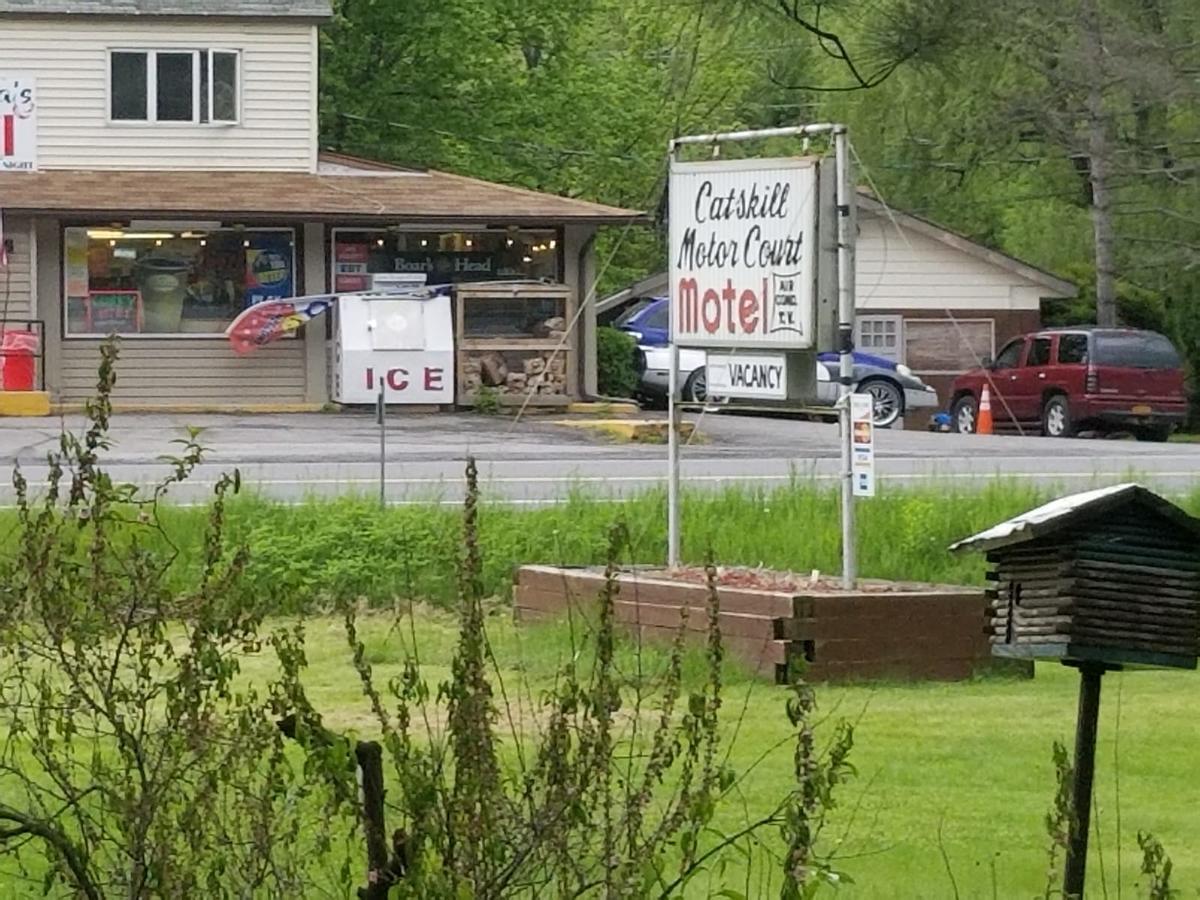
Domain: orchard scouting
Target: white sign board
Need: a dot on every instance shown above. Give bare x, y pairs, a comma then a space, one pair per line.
756, 375
18, 122
407, 376
743, 253
862, 444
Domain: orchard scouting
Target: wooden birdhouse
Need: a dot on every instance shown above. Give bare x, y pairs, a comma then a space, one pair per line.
1110, 576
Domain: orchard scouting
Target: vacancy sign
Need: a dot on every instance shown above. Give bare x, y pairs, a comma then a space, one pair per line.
862, 444
18, 123
743, 253
748, 375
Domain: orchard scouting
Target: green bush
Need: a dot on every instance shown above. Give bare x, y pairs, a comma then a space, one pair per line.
616, 374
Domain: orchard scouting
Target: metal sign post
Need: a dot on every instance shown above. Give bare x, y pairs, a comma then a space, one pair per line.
744, 277
846, 241
381, 418
673, 458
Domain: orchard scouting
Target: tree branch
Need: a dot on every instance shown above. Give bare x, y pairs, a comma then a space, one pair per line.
75, 861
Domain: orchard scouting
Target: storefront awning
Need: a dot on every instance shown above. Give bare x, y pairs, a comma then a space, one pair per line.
343, 189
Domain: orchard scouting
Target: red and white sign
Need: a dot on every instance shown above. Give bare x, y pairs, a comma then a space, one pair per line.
18, 123
406, 376
743, 253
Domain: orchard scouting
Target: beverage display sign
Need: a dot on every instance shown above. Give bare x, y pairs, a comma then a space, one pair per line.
743, 253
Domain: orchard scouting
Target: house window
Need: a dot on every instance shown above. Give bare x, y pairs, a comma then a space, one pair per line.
445, 257
191, 86
147, 281
880, 336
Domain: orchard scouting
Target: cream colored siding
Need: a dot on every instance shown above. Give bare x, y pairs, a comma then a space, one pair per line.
69, 59
916, 272
16, 281
186, 372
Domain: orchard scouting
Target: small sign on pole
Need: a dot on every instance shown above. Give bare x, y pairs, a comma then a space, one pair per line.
862, 443
748, 375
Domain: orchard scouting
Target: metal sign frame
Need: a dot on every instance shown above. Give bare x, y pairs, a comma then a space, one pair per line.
846, 238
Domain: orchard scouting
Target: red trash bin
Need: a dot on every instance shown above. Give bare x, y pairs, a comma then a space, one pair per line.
18, 360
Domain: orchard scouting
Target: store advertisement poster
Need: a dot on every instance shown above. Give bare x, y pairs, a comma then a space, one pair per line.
862, 444
75, 252
350, 267
269, 268
18, 122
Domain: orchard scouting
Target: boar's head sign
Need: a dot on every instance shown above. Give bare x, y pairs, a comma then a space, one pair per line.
743, 253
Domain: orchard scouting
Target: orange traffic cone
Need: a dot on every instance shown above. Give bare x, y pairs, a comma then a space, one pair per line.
983, 423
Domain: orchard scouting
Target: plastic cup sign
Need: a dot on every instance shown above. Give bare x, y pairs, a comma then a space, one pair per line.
743, 253
757, 375
862, 444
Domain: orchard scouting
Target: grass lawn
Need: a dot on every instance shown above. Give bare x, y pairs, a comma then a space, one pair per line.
971, 760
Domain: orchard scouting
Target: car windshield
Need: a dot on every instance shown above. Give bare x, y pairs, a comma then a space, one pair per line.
1136, 350
660, 317
623, 319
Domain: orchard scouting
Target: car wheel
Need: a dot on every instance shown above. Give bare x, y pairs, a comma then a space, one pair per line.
889, 401
1056, 418
1157, 434
963, 415
695, 389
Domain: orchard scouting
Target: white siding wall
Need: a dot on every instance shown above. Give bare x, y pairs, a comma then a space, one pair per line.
920, 273
16, 281
69, 59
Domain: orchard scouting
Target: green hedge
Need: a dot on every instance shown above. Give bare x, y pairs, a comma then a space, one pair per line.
616, 373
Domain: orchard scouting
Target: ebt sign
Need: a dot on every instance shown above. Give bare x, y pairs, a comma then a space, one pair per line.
18, 123
743, 253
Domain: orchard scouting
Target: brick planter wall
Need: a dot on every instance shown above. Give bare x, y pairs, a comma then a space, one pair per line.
911, 632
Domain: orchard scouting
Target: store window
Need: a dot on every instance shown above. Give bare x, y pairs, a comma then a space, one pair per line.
197, 86
146, 281
427, 257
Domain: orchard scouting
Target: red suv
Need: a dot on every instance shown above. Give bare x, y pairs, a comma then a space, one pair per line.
1070, 379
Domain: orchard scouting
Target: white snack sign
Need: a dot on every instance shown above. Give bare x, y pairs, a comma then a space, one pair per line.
862, 444
743, 253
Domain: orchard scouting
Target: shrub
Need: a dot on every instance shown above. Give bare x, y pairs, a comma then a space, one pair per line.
135, 762
615, 363
612, 795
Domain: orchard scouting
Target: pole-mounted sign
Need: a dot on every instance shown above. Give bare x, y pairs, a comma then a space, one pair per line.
743, 253
757, 249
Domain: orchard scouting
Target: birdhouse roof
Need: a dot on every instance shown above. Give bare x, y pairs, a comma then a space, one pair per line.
1072, 511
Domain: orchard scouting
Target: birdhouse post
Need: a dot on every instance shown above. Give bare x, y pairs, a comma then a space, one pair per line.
1101, 581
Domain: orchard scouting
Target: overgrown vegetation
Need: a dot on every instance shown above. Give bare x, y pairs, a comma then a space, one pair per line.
616, 374
613, 795
158, 737
137, 761
317, 553
133, 763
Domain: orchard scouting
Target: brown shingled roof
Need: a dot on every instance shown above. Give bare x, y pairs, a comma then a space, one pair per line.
378, 193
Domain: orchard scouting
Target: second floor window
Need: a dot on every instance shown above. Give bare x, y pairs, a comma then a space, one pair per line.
198, 86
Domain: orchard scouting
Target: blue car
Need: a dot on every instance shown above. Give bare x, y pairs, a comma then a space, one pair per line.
648, 321
895, 388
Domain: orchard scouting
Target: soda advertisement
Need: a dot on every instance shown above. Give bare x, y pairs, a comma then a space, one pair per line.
269, 268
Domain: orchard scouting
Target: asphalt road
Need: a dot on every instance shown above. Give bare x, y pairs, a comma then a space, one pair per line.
538, 461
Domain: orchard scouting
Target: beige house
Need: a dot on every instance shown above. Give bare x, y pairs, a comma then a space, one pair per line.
926, 297
164, 172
